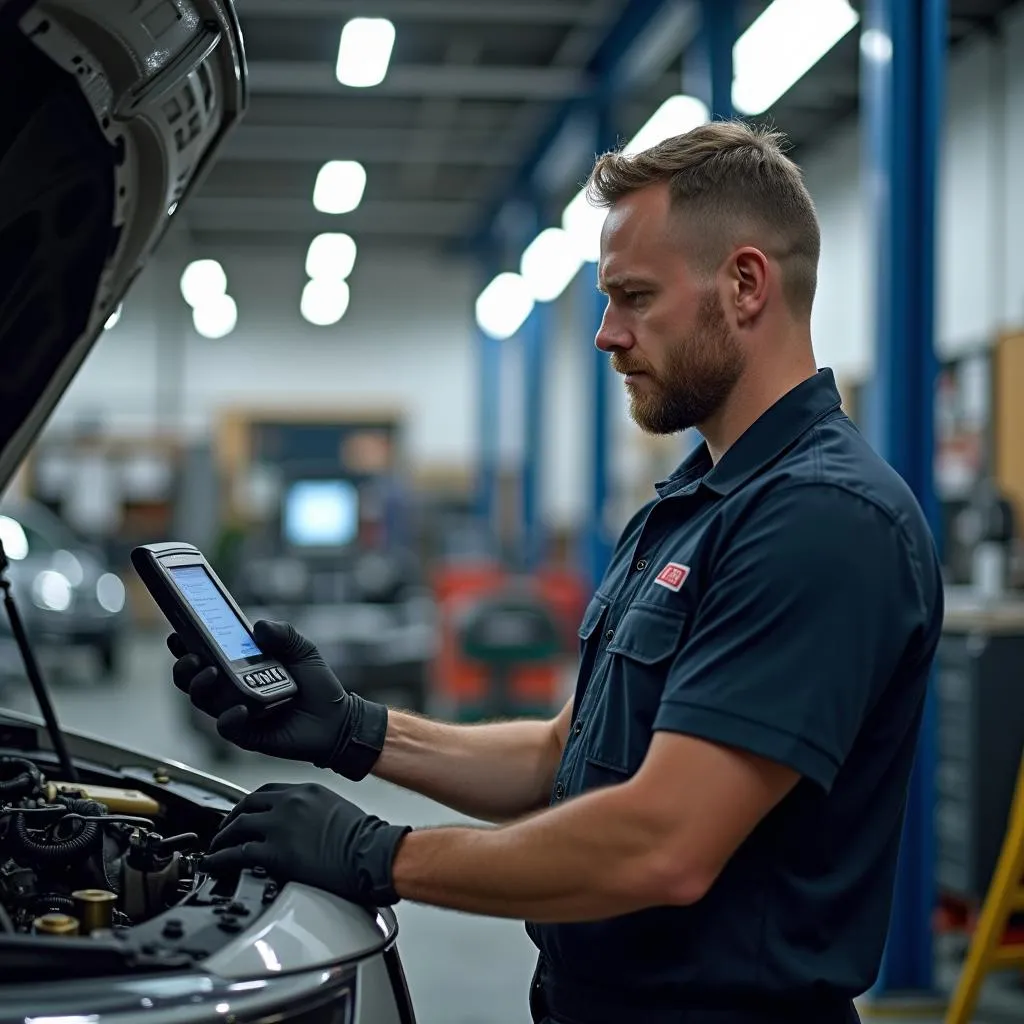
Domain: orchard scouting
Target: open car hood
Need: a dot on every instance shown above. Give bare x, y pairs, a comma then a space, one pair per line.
111, 112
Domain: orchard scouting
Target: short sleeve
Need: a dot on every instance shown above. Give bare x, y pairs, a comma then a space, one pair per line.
808, 612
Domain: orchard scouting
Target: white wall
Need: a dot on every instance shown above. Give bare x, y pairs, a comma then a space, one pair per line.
405, 343
408, 341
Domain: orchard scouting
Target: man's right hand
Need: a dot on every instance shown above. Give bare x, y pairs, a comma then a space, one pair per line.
322, 724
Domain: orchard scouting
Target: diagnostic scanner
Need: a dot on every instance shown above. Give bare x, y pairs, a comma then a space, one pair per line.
209, 622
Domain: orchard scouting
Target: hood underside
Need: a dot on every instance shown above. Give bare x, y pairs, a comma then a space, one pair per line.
110, 115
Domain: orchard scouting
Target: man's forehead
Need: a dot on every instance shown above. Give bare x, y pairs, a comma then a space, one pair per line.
625, 272
642, 258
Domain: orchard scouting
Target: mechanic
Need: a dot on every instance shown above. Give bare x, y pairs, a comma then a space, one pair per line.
708, 831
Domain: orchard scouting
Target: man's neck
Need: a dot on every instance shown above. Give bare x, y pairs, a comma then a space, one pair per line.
754, 394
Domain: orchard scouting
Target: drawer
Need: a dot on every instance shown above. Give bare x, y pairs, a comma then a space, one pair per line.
954, 739
953, 821
953, 779
954, 686
954, 877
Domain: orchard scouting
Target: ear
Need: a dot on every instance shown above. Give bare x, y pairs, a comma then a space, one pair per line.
748, 284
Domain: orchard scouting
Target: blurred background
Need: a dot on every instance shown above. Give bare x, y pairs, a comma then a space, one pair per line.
360, 377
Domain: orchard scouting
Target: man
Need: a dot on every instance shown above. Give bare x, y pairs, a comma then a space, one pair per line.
707, 833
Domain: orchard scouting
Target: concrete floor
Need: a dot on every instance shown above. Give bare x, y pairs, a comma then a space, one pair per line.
461, 969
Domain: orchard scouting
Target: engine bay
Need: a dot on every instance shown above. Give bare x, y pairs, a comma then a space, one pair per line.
101, 875
79, 859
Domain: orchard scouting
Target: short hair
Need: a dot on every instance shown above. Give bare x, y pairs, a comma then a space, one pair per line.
729, 179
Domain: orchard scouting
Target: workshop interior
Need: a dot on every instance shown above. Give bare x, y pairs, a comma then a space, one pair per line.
309, 286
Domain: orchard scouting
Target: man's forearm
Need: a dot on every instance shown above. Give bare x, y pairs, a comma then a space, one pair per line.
496, 772
591, 858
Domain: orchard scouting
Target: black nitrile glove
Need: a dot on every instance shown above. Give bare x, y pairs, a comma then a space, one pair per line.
322, 724
306, 833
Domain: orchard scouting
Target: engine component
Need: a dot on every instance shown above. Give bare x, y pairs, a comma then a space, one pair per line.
55, 924
94, 909
75, 844
18, 778
65, 856
117, 801
150, 888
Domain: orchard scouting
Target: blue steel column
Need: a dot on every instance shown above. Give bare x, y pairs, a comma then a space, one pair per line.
709, 71
534, 339
599, 541
598, 538
904, 55
488, 409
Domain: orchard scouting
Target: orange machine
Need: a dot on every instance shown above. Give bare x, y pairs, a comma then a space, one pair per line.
461, 684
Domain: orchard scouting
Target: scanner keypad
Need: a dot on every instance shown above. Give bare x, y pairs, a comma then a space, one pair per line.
264, 677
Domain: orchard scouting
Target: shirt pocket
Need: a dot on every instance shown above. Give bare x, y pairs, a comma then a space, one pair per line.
592, 618
642, 650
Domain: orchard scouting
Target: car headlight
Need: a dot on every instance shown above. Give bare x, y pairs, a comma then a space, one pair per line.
110, 593
52, 590
68, 565
13, 537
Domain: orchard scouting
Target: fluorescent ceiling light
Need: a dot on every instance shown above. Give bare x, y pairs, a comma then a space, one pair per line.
549, 263
331, 256
215, 318
876, 45
503, 306
339, 186
583, 223
782, 45
676, 116
113, 318
202, 281
365, 51
324, 302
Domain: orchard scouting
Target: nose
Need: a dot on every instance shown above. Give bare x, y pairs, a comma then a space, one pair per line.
612, 335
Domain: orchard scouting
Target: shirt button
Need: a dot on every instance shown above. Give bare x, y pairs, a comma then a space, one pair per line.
559, 791
609, 634
577, 728
641, 565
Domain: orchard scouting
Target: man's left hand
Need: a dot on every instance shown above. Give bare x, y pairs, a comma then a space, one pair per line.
308, 833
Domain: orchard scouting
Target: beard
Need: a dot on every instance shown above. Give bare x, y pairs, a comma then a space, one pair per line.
700, 371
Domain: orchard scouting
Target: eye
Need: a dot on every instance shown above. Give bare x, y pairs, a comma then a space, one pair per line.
636, 298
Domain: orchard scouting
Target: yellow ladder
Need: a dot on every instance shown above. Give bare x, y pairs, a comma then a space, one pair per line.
1005, 896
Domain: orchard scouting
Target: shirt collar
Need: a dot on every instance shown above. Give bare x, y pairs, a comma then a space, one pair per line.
771, 434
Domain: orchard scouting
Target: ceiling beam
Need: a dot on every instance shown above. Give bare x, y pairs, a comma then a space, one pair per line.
236, 214
295, 243
609, 71
308, 144
304, 78
505, 12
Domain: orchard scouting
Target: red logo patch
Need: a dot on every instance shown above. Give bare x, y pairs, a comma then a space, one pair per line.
673, 576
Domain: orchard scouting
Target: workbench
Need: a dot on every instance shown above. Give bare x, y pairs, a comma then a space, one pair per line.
980, 691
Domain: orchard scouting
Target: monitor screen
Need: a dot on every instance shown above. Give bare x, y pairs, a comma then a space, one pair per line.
321, 513
216, 614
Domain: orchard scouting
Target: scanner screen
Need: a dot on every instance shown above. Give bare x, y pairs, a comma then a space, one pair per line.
216, 614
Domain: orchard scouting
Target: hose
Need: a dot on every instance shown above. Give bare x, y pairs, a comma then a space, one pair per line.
23, 777
87, 808
77, 847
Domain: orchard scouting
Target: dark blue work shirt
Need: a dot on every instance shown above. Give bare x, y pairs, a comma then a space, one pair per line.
788, 602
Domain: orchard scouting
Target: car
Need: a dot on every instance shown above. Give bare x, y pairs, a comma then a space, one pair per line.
113, 114
70, 598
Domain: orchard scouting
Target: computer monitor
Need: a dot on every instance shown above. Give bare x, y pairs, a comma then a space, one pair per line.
320, 513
